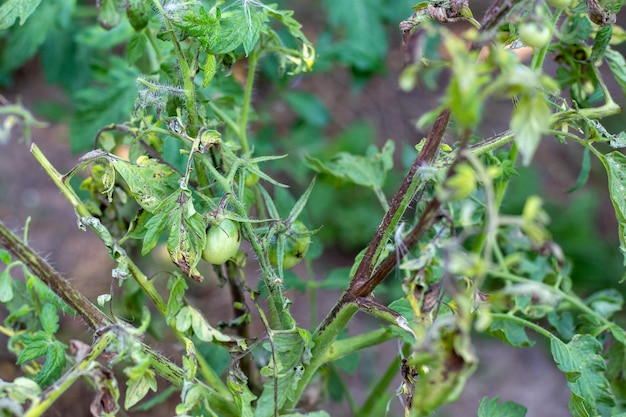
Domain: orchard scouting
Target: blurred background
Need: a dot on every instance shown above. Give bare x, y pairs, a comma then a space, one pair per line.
350, 101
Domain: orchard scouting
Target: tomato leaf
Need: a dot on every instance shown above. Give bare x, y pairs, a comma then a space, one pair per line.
615, 165
53, 365
186, 237
309, 107
617, 65
583, 175
136, 47
606, 302
49, 319
16, 9
603, 37
530, 119
100, 106
369, 171
177, 294
359, 24
584, 368
511, 332
491, 408
24, 40
292, 350
35, 348
138, 388
151, 184
6, 285
154, 229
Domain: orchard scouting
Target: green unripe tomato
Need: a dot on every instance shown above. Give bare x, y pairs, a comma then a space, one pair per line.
251, 177
534, 35
297, 241
560, 4
137, 13
222, 242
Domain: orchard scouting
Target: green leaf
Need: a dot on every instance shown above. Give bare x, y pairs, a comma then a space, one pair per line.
491, 408
5, 256
136, 47
348, 363
530, 119
285, 17
292, 352
24, 40
359, 24
563, 323
338, 278
605, 302
369, 170
177, 295
309, 107
603, 37
617, 65
154, 229
583, 175
49, 319
152, 184
190, 317
511, 332
615, 165
53, 365
45, 293
138, 388
584, 369
463, 94
97, 107
33, 350
6, 285
16, 9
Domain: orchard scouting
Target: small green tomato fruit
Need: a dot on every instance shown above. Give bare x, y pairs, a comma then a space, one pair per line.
534, 35
251, 177
560, 4
222, 242
297, 241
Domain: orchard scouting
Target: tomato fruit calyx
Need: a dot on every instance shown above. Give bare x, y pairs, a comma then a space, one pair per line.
222, 242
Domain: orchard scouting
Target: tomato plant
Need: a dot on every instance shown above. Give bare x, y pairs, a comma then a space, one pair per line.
186, 157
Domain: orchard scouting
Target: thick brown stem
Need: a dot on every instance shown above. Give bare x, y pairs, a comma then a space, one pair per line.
425, 157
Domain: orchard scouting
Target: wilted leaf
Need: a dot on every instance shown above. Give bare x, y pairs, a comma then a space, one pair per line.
186, 237
369, 170
138, 388
150, 183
